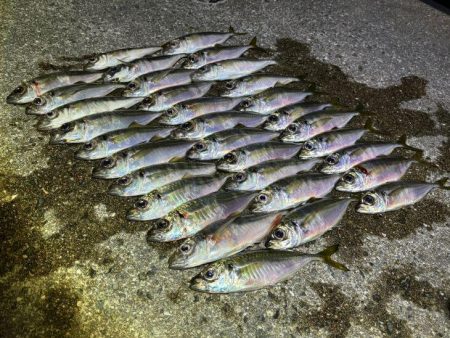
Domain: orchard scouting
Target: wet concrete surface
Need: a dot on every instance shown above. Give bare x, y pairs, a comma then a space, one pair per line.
72, 265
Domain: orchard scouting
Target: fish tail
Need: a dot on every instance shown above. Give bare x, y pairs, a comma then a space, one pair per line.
326, 257
253, 44
442, 183
370, 126
402, 141
232, 31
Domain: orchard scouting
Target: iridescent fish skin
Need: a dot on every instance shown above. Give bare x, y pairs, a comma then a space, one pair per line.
245, 157
218, 145
307, 223
216, 54
373, 173
169, 97
188, 110
255, 84
29, 90
293, 191
330, 142
147, 179
206, 125
141, 156
314, 124
61, 96
87, 128
280, 119
223, 240
194, 42
347, 158
194, 216
230, 69
113, 142
260, 176
128, 72
256, 270
81, 109
393, 196
271, 100
159, 202
150, 83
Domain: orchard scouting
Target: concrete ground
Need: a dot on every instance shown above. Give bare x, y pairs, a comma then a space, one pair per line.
71, 265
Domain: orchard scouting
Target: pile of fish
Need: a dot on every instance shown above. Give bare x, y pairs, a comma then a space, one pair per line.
241, 177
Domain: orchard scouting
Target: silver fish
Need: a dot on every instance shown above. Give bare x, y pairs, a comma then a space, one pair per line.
251, 155
159, 202
150, 83
206, 125
293, 191
188, 110
272, 99
307, 223
196, 215
223, 240
281, 118
29, 90
87, 128
166, 98
257, 269
147, 179
61, 96
113, 142
219, 144
260, 176
141, 156
314, 124
330, 142
371, 174
128, 72
80, 109
230, 69
255, 84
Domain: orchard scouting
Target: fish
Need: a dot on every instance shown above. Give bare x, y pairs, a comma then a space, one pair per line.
293, 191
371, 174
154, 177
90, 127
191, 43
216, 54
395, 195
159, 202
188, 110
283, 117
230, 69
257, 269
272, 99
223, 240
307, 223
314, 124
330, 142
219, 144
251, 155
260, 176
141, 156
255, 84
166, 98
29, 90
113, 142
194, 216
147, 84
129, 71
61, 96
208, 124
81, 109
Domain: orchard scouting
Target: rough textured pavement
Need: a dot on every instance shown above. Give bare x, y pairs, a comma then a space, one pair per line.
72, 266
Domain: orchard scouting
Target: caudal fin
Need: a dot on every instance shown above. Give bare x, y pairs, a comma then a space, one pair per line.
231, 30
326, 256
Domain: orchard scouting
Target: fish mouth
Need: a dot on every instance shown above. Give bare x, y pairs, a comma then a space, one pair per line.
116, 191
58, 139
176, 263
44, 125
30, 110
103, 173
197, 284
12, 99
83, 155
153, 236
134, 215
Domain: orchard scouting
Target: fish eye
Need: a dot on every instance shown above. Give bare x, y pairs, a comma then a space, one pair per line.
210, 274
193, 57
142, 173
199, 146
230, 85
185, 247
51, 114
308, 146
162, 223
368, 199
124, 154
183, 106
239, 177
112, 71
292, 128
262, 198
204, 69
279, 234
19, 90
92, 58
125, 180
246, 103
174, 43
66, 127
187, 125
170, 112
348, 178
148, 100
141, 203
230, 158
107, 162
132, 85
89, 145
38, 101
331, 159
272, 118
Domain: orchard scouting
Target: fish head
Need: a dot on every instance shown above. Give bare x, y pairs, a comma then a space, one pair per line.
95, 62
242, 180
264, 201
352, 181
128, 185
169, 228
232, 89
232, 161
147, 103
115, 74
135, 88
176, 114
205, 73
248, 104
202, 150
70, 132
174, 46
218, 277
334, 163
39, 104
282, 236
311, 148
51, 119
194, 61
23, 93
94, 149
113, 167
149, 206
185, 255
372, 202
276, 121
296, 132
189, 130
